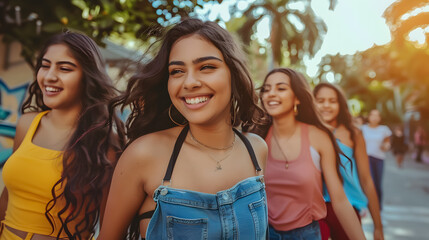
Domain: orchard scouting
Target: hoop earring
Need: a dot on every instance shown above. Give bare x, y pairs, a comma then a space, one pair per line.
169, 114
233, 113
295, 109
233, 117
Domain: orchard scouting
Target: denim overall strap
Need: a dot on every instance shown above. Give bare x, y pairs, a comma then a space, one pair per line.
249, 149
177, 146
184, 214
181, 139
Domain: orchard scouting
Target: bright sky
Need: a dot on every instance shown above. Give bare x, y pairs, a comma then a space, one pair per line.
354, 25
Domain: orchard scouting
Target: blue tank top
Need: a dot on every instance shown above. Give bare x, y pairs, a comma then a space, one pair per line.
351, 185
239, 212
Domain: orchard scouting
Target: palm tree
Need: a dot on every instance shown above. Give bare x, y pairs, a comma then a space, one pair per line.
402, 18
285, 35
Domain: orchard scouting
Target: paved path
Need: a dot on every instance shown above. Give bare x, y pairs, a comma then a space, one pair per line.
405, 212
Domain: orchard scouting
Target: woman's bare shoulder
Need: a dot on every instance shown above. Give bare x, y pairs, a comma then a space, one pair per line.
148, 148
25, 120
260, 147
255, 140
319, 138
22, 127
317, 133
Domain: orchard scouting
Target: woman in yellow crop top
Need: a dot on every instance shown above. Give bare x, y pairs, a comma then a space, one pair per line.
65, 147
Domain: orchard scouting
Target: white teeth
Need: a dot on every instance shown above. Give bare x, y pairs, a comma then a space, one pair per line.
196, 100
52, 89
270, 103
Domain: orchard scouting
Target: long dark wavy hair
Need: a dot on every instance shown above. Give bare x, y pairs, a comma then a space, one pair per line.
147, 92
344, 117
87, 171
307, 112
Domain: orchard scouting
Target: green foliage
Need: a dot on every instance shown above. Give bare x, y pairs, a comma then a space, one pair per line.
399, 26
393, 77
140, 19
288, 42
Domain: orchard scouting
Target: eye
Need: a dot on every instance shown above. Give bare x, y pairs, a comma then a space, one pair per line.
265, 89
44, 66
175, 71
207, 66
65, 69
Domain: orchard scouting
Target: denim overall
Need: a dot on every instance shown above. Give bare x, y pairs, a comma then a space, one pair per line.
236, 213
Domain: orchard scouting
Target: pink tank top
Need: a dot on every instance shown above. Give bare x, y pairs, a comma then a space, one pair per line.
294, 195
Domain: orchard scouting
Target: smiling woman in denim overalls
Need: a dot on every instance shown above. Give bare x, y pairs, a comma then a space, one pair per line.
187, 172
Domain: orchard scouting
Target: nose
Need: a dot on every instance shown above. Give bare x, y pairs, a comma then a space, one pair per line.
271, 92
191, 81
51, 75
325, 104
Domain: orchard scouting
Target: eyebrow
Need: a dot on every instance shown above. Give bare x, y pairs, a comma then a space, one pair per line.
280, 83
196, 61
60, 62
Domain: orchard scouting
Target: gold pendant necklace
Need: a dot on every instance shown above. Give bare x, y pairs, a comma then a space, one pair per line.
229, 150
281, 149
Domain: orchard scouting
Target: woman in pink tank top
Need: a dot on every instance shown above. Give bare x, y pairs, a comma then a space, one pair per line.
300, 147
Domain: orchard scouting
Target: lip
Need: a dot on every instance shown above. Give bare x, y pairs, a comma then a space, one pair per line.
272, 104
196, 101
326, 113
51, 90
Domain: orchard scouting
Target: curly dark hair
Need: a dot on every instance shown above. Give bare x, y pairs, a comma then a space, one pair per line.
307, 112
86, 167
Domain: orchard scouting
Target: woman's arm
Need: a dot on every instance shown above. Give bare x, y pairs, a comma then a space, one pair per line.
112, 156
367, 184
21, 129
126, 193
342, 207
3, 203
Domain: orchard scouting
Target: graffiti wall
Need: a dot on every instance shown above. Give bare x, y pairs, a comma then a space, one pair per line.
15, 76
10, 103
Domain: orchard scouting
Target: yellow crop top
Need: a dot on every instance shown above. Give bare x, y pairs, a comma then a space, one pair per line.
29, 175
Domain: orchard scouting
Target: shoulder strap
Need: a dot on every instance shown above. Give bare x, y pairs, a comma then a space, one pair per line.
249, 149
33, 126
175, 154
145, 215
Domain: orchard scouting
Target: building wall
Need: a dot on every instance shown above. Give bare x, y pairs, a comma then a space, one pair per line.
15, 76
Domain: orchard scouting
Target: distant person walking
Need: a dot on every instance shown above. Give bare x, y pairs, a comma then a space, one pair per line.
419, 142
377, 138
399, 146
358, 121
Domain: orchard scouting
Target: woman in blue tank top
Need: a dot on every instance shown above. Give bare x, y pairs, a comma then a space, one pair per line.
187, 173
358, 184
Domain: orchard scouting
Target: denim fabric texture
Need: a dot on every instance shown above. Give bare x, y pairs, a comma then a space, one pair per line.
309, 232
376, 166
236, 213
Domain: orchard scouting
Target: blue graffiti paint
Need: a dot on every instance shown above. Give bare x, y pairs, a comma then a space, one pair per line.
7, 125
